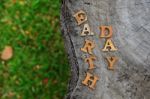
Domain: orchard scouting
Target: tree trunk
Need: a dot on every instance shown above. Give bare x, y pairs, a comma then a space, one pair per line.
130, 20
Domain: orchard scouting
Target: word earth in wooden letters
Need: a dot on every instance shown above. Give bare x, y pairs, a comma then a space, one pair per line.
89, 45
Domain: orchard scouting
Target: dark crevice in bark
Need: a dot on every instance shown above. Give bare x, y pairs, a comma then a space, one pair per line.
65, 19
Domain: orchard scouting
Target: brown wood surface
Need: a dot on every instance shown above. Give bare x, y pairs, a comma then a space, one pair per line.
130, 20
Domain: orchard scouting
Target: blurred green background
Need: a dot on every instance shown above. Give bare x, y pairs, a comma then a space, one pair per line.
39, 68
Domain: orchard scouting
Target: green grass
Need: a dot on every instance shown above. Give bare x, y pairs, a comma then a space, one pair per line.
39, 68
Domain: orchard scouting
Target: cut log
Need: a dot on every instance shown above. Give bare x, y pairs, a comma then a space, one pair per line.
130, 21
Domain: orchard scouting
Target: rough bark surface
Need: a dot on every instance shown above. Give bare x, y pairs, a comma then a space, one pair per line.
130, 20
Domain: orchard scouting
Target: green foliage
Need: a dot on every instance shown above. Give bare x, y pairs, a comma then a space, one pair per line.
39, 68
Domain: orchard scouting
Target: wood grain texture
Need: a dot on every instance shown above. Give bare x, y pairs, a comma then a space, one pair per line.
130, 20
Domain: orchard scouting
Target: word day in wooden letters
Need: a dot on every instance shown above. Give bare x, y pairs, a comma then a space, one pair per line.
106, 32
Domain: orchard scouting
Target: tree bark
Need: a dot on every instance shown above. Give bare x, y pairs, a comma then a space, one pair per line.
130, 20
